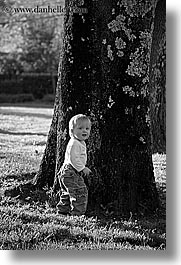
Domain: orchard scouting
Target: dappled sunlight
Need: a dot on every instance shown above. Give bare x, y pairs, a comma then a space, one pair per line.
23, 138
36, 224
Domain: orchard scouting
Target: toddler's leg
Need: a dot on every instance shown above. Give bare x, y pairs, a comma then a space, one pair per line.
75, 194
64, 204
80, 205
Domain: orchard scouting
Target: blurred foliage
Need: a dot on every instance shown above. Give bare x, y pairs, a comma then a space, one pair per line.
41, 46
11, 63
30, 42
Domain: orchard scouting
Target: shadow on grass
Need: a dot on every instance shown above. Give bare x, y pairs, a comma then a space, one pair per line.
21, 133
38, 115
22, 177
27, 191
154, 225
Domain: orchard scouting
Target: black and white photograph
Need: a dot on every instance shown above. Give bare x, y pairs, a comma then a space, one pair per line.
83, 125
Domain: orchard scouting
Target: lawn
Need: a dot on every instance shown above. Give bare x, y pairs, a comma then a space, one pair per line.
35, 225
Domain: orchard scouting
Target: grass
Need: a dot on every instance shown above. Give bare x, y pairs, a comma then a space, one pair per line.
34, 225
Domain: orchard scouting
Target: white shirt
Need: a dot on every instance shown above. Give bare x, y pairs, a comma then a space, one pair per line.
76, 154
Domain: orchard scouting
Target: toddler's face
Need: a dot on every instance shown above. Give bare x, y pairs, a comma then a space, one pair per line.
82, 130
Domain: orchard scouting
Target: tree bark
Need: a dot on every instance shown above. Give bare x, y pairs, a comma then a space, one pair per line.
104, 74
73, 93
125, 154
158, 80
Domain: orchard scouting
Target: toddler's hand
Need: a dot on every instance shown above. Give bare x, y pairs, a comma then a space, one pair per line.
87, 171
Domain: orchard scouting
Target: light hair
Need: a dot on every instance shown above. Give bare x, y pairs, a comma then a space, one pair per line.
73, 122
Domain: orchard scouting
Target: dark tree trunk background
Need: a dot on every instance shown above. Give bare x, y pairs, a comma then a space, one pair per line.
104, 73
125, 160
158, 80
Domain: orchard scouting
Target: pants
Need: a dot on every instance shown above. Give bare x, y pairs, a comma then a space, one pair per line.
74, 193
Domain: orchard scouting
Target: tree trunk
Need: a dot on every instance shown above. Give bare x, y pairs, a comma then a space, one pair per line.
73, 94
125, 162
158, 80
104, 74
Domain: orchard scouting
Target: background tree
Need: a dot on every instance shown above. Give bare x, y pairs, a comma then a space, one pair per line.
158, 80
41, 46
10, 64
34, 40
104, 73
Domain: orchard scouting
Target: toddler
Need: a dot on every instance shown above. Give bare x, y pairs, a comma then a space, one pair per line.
74, 193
